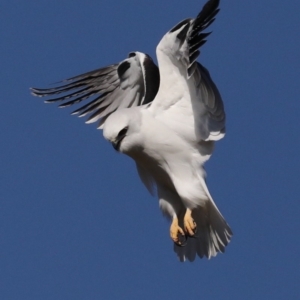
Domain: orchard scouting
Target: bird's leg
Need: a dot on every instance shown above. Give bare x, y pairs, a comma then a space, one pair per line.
189, 223
176, 233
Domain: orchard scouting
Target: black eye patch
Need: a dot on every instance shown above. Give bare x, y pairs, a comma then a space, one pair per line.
122, 132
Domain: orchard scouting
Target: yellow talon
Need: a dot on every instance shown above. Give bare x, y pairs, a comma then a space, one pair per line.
175, 230
189, 223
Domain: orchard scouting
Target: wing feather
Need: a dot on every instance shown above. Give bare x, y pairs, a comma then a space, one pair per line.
132, 82
211, 123
188, 95
195, 37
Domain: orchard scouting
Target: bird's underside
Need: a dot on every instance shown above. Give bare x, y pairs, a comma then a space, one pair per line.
174, 166
166, 118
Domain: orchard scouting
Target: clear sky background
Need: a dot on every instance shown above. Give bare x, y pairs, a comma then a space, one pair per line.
75, 220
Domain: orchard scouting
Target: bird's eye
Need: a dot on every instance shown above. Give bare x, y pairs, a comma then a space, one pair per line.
132, 54
123, 132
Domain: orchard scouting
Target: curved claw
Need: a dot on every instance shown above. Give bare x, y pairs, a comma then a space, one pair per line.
182, 240
194, 236
177, 234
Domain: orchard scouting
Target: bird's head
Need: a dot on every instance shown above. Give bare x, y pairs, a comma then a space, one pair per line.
121, 129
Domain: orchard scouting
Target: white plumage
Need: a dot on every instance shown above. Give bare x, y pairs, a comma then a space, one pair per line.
167, 122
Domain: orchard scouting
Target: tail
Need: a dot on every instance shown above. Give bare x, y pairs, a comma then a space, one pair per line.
212, 236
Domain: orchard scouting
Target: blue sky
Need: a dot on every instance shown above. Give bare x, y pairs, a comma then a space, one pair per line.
75, 221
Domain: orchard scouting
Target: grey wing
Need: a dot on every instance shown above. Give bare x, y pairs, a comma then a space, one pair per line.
213, 117
132, 82
205, 102
211, 124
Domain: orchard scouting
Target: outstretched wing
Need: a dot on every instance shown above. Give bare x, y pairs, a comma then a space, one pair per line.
132, 82
212, 125
187, 94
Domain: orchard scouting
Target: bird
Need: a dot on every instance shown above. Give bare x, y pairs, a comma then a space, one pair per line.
167, 118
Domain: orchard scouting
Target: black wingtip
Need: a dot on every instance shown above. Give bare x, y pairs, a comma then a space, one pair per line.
196, 37
35, 92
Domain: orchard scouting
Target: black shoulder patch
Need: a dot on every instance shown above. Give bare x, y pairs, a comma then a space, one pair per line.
122, 68
152, 79
179, 25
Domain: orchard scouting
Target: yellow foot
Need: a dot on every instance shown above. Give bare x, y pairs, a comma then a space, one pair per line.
189, 223
176, 233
